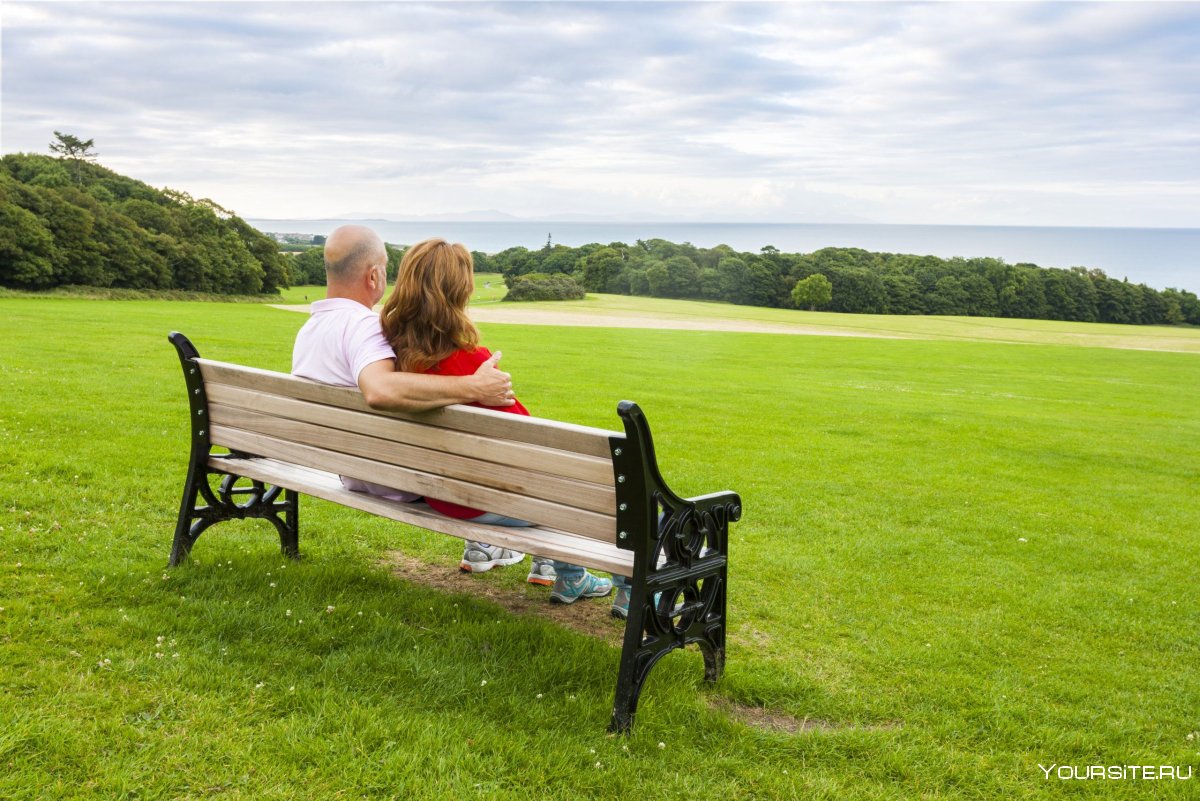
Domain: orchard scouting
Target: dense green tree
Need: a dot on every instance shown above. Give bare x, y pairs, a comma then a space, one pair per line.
813, 292
732, 278
948, 297
482, 262
856, 290
26, 249
309, 267
599, 268
904, 294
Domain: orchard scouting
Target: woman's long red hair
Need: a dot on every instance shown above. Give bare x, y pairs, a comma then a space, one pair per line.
425, 318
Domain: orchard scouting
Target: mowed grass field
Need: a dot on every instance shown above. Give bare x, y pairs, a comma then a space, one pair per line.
959, 560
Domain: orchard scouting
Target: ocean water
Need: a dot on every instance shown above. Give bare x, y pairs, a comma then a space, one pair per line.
1157, 257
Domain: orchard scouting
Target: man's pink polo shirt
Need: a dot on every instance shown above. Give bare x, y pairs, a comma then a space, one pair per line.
340, 339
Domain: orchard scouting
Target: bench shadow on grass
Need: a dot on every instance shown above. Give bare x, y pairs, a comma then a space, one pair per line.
591, 618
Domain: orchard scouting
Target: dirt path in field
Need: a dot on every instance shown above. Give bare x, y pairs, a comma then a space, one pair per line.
525, 316
591, 617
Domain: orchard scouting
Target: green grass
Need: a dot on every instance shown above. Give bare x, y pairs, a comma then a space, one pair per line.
961, 558
976, 329
489, 287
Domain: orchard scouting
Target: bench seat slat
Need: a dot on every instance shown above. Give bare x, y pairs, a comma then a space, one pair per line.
568, 464
507, 478
486, 422
566, 518
539, 540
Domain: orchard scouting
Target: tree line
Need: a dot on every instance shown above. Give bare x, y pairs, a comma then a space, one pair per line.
851, 280
69, 221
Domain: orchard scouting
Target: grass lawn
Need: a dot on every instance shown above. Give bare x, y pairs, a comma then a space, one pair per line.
489, 288
959, 559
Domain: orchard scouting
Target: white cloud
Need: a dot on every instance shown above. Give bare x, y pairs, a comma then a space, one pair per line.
1074, 113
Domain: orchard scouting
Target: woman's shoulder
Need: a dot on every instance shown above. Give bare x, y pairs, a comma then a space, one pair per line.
462, 361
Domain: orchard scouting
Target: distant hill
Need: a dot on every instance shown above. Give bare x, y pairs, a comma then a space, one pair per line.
65, 221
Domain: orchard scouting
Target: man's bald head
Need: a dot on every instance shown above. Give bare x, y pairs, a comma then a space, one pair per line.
350, 250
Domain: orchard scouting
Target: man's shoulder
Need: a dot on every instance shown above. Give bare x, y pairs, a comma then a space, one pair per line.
342, 308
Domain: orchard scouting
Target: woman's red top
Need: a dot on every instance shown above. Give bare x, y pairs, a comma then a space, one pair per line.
464, 362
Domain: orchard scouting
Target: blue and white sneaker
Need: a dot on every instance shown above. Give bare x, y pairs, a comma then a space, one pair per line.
588, 586
620, 607
479, 557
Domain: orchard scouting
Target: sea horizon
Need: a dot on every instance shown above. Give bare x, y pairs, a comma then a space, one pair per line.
1159, 257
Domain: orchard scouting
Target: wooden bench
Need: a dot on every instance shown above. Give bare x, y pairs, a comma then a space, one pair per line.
597, 496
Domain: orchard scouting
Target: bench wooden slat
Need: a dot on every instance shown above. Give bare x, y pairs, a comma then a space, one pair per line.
503, 452
507, 478
566, 518
486, 422
539, 540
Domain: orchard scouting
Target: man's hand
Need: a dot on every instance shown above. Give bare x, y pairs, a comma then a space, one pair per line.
492, 386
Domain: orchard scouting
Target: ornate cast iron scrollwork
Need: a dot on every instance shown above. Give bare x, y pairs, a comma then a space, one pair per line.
680, 555
228, 501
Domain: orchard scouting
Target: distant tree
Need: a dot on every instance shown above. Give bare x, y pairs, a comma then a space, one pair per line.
812, 292
482, 262
904, 294
599, 268
857, 290
75, 149
308, 268
732, 277
395, 256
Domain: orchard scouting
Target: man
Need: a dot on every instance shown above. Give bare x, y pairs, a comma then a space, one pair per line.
342, 344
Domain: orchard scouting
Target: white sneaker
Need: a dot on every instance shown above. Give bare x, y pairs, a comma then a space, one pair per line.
479, 557
542, 572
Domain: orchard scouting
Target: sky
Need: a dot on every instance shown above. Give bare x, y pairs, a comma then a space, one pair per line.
1068, 113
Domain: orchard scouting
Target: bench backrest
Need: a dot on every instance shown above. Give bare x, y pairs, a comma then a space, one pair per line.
551, 473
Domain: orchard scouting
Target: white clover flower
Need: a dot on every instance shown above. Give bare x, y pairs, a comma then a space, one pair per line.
258, 686
329, 609
662, 746
598, 766
539, 696
483, 683
288, 613
272, 584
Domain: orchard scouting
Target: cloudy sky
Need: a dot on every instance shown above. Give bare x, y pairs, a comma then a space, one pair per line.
962, 113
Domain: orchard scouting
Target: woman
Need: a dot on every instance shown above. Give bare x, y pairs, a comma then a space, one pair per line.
425, 320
